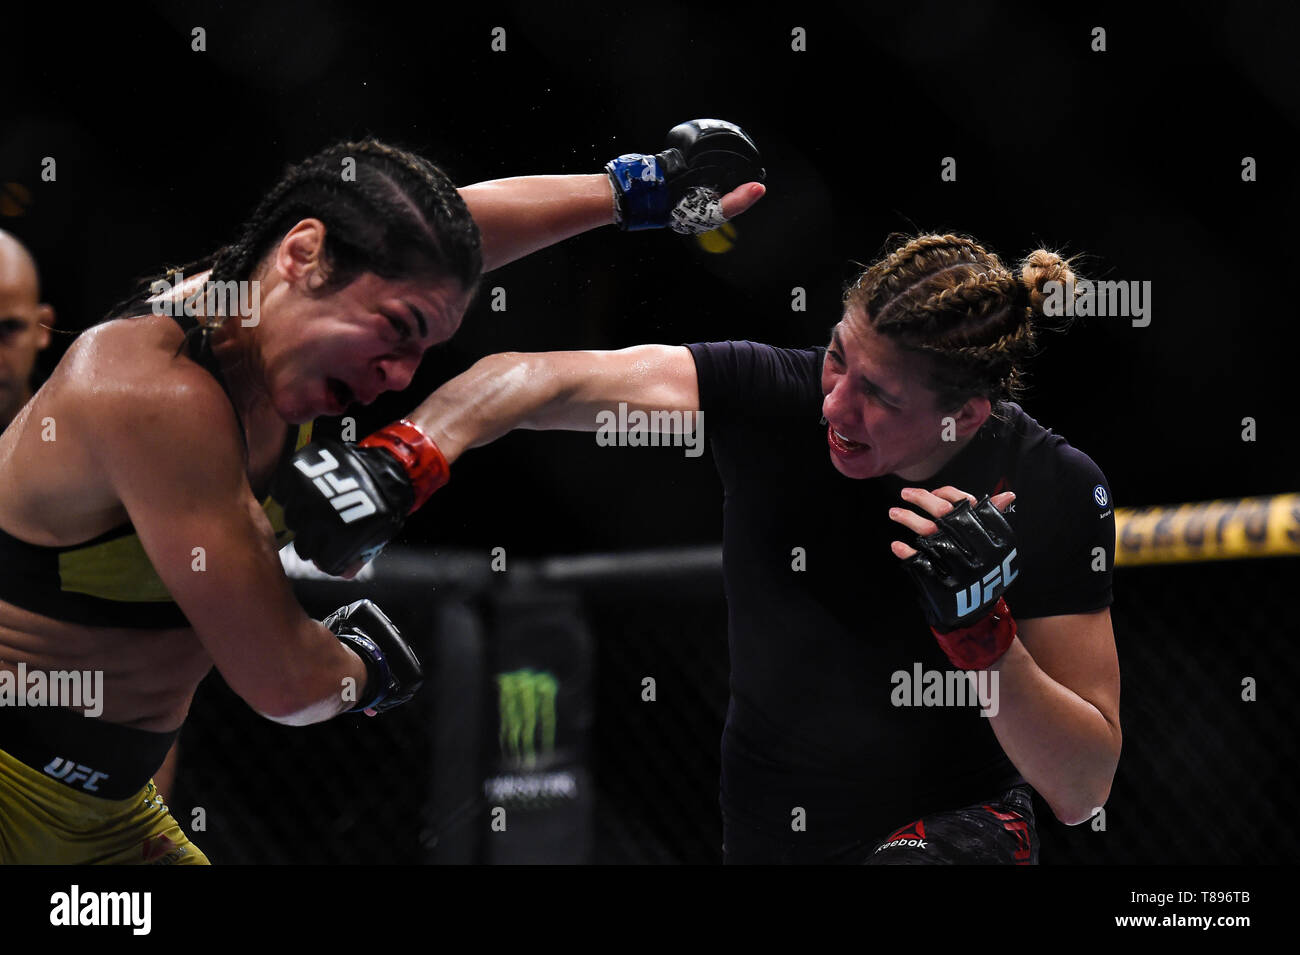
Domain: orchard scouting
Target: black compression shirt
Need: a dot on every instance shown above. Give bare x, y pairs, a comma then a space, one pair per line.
812, 723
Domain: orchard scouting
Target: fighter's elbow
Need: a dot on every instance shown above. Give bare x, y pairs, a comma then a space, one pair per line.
291, 706
1082, 805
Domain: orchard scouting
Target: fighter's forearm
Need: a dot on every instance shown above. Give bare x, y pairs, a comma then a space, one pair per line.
1062, 744
519, 216
498, 394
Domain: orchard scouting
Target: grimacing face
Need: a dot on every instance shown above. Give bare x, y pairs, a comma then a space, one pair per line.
318, 350
323, 353
882, 418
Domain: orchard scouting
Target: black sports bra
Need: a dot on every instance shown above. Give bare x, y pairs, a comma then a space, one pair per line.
108, 581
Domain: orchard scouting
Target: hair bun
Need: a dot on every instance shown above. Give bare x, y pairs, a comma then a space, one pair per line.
1040, 267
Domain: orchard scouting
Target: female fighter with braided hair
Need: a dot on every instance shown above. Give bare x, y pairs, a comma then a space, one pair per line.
836, 747
138, 543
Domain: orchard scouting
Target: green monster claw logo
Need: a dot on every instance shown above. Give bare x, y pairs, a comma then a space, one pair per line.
527, 703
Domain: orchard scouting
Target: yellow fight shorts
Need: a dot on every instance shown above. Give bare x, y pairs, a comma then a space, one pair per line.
46, 822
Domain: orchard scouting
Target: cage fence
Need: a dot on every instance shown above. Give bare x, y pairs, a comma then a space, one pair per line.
533, 740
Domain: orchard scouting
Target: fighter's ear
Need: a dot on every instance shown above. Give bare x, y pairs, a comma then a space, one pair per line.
300, 254
44, 322
972, 415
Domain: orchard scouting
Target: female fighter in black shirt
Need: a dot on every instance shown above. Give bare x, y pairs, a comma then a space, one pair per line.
848, 735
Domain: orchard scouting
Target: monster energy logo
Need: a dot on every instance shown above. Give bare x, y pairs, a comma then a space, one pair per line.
527, 703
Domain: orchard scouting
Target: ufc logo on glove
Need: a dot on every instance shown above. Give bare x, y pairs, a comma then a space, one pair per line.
345, 495
983, 591
967, 542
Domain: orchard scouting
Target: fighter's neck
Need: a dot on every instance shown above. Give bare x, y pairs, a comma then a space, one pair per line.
234, 347
927, 469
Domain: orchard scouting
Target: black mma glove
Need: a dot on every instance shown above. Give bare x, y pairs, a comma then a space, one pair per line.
345, 502
961, 571
393, 670
681, 187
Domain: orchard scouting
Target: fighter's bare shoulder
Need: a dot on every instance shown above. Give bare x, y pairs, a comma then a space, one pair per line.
126, 375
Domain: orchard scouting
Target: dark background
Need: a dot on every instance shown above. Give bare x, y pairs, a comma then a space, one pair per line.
1131, 156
